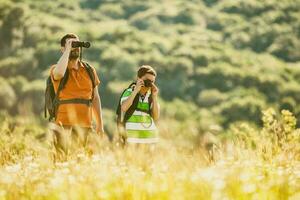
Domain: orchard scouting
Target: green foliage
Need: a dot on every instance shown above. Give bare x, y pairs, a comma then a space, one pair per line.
18, 138
7, 95
279, 135
280, 130
225, 59
219, 64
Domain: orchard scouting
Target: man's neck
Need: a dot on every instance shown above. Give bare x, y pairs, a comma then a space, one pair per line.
74, 64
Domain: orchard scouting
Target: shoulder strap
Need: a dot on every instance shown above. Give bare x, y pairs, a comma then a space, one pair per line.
132, 108
55, 101
118, 111
90, 71
49, 93
91, 74
62, 83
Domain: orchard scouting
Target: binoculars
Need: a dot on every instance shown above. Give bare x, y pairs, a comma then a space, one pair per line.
77, 44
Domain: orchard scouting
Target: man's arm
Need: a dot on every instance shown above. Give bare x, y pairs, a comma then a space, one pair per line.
62, 64
96, 104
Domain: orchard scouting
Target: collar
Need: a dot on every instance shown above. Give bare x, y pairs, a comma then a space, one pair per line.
81, 66
147, 94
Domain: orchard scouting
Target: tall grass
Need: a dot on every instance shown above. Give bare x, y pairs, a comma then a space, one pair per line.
246, 163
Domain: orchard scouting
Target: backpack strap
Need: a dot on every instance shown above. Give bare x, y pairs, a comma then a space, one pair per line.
132, 108
49, 89
51, 106
128, 113
62, 83
61, 86
66, 77
134, 105
118, 111
91, 74
150, 100
88, 102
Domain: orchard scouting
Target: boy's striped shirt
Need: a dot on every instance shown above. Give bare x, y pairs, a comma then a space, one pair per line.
140, 127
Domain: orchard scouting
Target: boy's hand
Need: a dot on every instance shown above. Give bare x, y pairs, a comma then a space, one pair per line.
154, 90
139, 85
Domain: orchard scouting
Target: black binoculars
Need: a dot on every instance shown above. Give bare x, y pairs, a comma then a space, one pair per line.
77, 44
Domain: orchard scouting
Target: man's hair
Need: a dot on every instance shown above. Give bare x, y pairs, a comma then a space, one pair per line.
67, 36
145, 69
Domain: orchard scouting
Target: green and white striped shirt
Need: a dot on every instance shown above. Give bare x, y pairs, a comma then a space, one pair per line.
140, 127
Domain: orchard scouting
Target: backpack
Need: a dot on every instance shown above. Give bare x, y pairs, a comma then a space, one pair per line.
52, 101
121, 122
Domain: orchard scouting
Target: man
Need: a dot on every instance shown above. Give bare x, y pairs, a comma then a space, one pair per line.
73, 120
140, 108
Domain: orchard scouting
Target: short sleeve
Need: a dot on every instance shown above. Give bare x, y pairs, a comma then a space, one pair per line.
51, 73
97, 80
126, 94
55, 82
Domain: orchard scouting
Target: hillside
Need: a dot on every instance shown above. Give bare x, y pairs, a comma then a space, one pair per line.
220, 62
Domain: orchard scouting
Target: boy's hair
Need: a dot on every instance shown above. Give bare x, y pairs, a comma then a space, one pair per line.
145, 69
67, 36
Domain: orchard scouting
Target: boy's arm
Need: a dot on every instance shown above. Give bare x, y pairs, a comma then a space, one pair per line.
155, 105
125, 105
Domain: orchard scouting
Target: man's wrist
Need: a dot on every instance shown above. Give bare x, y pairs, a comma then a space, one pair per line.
100, 130
99, 123
67, 53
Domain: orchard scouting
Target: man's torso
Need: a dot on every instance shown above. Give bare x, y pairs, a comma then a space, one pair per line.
79, 85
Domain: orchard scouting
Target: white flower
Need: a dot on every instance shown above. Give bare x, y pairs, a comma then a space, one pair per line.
249, 188
13, 168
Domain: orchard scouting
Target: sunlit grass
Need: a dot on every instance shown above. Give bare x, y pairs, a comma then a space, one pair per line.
237, 170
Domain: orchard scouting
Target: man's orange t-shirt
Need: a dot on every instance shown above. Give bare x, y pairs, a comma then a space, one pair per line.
79, 85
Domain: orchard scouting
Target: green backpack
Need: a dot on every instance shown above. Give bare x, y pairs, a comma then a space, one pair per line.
52, 100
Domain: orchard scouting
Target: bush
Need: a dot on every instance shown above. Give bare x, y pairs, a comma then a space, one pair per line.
208, 98
7, 95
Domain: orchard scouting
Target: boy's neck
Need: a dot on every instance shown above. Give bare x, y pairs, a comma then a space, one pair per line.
143, 91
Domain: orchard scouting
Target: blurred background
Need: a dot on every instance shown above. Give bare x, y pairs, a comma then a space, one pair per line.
219, 63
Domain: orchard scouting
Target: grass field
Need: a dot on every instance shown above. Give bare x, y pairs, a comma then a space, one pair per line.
251, 164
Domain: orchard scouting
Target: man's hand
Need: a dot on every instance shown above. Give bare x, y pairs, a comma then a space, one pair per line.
154, 90
100, 130
62, 64
139, 85
68, 45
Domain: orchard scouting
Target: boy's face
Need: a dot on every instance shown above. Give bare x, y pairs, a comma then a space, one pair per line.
147, 77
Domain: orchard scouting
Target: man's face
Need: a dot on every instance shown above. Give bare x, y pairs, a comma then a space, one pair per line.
75, 52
